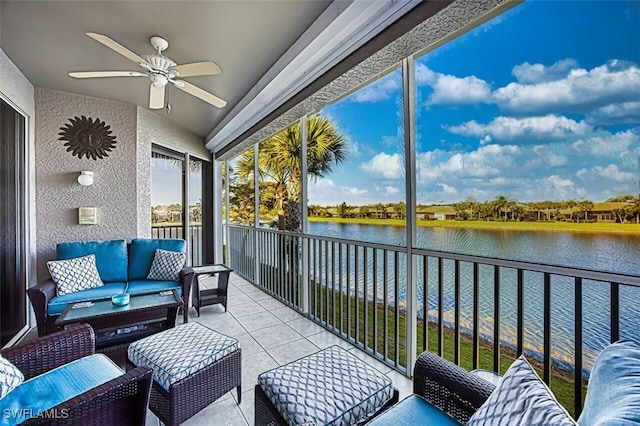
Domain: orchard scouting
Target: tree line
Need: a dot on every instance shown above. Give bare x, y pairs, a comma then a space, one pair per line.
501, 208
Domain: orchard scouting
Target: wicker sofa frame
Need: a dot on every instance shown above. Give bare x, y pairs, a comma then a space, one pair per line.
193, 393
121, 401
266, 414
43, 292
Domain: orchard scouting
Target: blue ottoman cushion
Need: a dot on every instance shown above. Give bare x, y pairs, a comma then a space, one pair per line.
329, 387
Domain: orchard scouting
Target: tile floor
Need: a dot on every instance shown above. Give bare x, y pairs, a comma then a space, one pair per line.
270, 334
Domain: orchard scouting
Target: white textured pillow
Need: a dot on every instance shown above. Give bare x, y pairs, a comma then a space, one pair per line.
71, 275
10, 377
166, 265
521, 398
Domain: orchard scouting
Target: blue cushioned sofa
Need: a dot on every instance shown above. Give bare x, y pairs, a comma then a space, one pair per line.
122, 267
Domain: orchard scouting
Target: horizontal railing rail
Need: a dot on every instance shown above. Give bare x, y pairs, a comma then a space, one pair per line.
175, 231
479, 312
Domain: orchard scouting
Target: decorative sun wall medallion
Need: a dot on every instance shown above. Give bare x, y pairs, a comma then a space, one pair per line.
87, 137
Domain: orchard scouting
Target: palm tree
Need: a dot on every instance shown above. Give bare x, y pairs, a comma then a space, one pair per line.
501, 204
584, 206
279, 162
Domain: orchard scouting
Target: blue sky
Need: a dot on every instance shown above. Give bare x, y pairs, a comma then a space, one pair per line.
543, 102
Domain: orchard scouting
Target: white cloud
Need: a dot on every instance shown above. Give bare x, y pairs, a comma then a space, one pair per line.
558, 187
451, 90
353, 190
608, 144
548, 127
546, 155
610, 172
537, 73
384, 166
581, 90
381, 90
447, 189
387, 190
615, 114
321, 183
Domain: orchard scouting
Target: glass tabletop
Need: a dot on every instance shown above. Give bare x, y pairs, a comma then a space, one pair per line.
75, 313
210, 269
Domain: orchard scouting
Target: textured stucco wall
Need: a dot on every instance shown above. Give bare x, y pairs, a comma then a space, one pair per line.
122, 181
58, 194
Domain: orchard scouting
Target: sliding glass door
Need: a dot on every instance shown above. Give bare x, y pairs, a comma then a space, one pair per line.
13, 304
178, 202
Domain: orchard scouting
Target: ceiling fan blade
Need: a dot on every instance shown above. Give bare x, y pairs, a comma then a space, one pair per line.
94, 74
197, 68
199, 93
113, 45
156, 97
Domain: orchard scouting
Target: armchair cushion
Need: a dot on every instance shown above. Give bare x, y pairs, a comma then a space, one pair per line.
142, 251
111, 256
10, 377
71, 275
613, 394
49, 389
166, 265
521, 398
414, 410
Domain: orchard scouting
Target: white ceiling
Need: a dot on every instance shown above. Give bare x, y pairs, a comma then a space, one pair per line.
46, 40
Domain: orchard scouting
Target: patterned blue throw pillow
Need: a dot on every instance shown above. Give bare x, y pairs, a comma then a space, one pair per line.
71, 275
521, 398
166, 265
10, 377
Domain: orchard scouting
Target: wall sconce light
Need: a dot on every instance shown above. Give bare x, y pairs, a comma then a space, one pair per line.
85, 178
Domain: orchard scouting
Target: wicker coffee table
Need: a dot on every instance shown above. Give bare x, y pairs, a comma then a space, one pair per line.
117, 326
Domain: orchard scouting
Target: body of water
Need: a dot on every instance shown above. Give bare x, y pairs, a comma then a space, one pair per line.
617, 253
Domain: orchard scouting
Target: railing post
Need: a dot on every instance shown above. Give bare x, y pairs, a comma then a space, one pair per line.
256, 213
410, 211
304, 213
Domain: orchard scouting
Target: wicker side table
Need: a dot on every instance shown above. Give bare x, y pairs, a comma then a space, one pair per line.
206, 297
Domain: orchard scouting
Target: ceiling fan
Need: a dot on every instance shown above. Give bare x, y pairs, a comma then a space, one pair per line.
160, 69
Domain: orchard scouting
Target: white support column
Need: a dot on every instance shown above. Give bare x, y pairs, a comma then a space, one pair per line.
305, 223
218, 239
410, 182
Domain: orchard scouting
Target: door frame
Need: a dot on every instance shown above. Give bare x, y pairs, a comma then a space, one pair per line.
26, 222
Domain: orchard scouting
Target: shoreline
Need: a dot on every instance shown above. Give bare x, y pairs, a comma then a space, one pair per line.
599, 228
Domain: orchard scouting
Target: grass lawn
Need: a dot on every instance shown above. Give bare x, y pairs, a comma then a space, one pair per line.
481, 224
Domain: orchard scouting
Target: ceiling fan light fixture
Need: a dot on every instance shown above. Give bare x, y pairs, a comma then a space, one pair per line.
159, 80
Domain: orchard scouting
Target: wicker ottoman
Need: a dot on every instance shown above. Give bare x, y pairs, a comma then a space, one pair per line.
192, 367
330, 387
